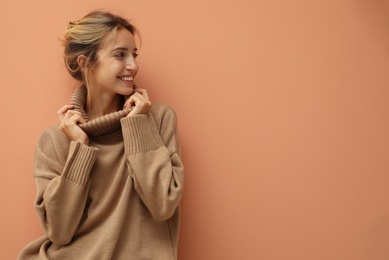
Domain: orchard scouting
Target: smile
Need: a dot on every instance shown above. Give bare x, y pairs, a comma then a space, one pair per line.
126, 78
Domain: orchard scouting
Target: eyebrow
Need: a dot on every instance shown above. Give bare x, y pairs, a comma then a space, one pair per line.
123, 49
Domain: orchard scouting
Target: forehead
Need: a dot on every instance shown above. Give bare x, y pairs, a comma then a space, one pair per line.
121, 38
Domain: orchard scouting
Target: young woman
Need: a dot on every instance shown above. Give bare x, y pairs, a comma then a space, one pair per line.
109, 176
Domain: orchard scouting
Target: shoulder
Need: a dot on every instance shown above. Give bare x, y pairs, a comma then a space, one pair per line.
52, 134
162, 111
53, 143
164, 115
161, 108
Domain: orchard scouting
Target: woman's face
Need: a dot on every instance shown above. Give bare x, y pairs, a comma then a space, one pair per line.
116, 66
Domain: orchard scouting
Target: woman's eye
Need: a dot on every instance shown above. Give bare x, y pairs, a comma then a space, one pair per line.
135, 55
119, 54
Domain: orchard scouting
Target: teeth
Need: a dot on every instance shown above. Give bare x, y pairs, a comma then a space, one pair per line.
127, 78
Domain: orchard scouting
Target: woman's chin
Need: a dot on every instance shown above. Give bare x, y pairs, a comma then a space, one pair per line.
127, 92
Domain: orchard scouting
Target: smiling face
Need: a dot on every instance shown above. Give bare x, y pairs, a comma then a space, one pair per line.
116, 65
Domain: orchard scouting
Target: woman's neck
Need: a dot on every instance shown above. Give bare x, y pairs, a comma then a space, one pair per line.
99, 104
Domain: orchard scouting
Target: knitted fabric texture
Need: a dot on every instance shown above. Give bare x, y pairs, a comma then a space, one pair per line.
116, 198
101, 125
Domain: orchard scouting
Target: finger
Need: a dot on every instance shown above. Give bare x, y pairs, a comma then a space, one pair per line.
134, 100
70, 113
77, 118
136, 96
143, 92
63, 110
143, 97
142, 100
74, 120
82, 120
129, 102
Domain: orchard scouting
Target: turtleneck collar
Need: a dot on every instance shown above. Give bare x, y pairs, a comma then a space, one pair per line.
99, 126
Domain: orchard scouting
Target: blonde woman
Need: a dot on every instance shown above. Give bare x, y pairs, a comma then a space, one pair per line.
109, 176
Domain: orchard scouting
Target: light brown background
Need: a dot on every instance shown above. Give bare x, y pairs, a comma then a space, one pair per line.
283, 115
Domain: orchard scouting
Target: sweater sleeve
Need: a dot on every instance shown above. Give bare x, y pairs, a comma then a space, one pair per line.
154, 162
62, 190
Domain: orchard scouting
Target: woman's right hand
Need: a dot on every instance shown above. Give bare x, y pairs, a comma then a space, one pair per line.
69, 120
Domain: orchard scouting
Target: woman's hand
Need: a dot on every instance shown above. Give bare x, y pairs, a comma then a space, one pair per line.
69, 121
140, 102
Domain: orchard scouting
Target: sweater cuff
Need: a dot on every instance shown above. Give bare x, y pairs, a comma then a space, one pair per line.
140, 134
80, 161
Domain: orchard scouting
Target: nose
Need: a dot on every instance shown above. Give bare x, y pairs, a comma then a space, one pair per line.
131, 64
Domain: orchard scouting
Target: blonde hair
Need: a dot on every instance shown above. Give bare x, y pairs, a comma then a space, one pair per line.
85, 37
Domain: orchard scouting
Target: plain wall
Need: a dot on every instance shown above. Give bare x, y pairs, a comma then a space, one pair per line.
283, 118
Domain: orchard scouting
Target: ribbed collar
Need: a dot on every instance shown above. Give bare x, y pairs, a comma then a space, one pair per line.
99, 126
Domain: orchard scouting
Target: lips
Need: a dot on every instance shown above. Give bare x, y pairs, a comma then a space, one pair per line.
126, 78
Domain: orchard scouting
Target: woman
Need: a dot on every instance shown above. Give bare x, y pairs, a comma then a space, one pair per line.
109, 177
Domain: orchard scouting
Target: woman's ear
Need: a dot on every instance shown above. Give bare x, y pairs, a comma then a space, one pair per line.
81, 60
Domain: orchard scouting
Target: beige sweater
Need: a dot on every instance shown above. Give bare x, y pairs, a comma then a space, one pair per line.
117, 198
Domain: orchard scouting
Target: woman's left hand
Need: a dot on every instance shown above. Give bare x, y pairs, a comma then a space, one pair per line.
140, 102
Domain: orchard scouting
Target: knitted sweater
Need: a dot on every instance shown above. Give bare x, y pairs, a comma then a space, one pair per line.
117, 198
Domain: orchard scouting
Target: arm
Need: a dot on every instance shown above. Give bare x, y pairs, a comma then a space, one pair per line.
154, 161
62, 189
